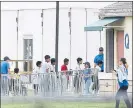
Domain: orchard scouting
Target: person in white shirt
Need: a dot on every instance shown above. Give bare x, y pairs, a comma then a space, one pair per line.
53, 75
53, 62
35, 76
77, 80
96, 79
45, 76
46, 65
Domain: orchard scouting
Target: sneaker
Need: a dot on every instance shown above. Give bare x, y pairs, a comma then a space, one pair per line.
98, 93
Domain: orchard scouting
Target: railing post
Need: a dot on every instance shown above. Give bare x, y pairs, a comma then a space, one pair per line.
57, 35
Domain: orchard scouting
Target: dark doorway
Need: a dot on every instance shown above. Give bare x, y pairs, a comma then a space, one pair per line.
109, 50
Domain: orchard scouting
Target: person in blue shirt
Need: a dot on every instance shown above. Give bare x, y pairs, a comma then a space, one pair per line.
123, 84
5, 67
87, 77
99, 57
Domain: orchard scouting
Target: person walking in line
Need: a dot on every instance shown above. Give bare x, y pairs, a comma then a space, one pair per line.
64, 66
35, 77
96, 78
53, 62
64, 73
53, 79
77, 81
45, 68
5, 71
44, 75
87, 77
123, 84
5, 67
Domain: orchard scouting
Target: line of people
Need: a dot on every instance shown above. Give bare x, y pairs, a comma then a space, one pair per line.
49, 66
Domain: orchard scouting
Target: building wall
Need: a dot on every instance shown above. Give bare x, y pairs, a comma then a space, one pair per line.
30, 24
128, 52
127, 23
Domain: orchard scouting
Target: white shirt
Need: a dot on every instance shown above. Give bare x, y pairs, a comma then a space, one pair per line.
97, 67
45, 67
35, 75
52, 68
121, 74
78, 67
121, 70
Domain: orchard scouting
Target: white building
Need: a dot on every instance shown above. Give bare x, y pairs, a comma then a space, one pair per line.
30, 27
116, 24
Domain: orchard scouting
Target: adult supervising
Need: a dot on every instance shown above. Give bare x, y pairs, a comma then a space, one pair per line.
99, 57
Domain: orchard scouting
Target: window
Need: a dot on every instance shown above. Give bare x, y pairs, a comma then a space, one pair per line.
28, 54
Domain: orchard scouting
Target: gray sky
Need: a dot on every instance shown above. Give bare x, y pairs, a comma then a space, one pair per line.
39, 5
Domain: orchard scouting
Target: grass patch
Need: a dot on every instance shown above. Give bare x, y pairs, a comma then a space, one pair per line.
51, 104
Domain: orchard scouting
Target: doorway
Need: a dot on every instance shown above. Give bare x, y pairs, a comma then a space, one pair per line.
109, 50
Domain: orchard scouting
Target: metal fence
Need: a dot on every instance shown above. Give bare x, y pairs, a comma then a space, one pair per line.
50, 84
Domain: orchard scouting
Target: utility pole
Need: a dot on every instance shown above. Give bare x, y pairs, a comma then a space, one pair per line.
42, 25
57, 35
86, 37
17, 27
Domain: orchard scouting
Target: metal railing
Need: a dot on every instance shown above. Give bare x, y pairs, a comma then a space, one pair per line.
53, 84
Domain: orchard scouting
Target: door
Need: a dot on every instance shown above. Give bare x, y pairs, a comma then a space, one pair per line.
109, 50
120, 45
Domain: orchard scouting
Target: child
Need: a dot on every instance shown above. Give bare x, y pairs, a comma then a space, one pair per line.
64, 70
77, 79
15, 82
87, 76
53, 62
35, 76
96, 79
123, 83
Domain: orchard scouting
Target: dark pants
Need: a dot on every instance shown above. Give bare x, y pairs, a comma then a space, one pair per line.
122, 92
76, 83
96, 83
36, 87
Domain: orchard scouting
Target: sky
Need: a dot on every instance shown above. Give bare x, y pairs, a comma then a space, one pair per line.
40, 5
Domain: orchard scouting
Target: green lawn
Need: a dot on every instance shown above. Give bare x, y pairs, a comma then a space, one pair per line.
64, 105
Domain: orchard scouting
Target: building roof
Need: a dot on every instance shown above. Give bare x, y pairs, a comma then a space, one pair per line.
118, 9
